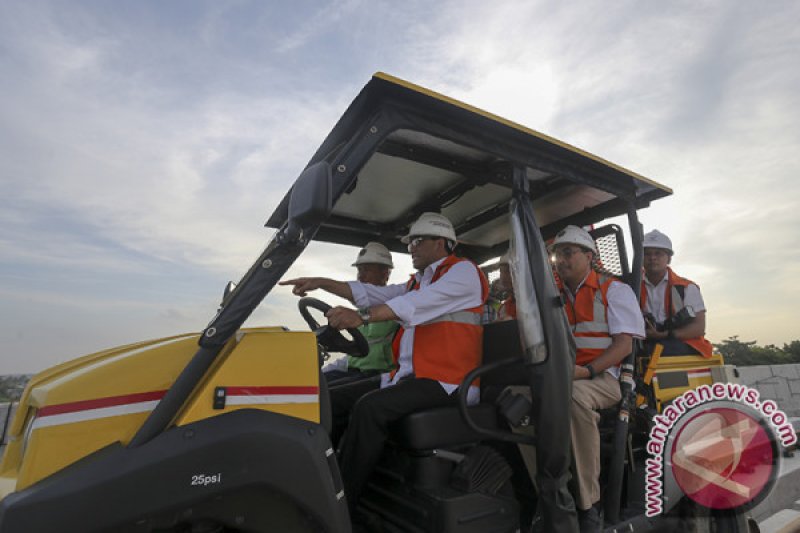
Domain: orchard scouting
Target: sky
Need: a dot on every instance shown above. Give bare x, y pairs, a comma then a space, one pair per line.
144, 144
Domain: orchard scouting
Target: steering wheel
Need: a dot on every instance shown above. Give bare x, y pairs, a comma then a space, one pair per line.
331, 338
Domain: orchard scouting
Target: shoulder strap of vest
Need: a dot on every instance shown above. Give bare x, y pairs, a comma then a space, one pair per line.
677, 280
681, 290
445, 265
604, 281
643, 294
676, 292
442, 269
451, 260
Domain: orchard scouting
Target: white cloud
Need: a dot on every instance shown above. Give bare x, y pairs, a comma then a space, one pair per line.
139, 141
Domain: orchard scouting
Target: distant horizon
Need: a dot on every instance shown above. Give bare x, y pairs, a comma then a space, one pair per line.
31, 373
34, 372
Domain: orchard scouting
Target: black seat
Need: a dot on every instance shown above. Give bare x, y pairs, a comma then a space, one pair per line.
443, 427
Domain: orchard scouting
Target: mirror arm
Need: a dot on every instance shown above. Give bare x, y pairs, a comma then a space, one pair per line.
464, 408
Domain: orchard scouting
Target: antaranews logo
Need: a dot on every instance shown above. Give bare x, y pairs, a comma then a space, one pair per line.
718, 444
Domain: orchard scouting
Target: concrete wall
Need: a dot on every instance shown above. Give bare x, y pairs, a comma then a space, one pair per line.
775, 382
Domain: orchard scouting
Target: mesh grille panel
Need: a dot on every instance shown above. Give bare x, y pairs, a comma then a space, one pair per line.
609, 254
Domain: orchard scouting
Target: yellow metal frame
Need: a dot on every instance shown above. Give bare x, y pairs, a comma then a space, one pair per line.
265, 358
697, 371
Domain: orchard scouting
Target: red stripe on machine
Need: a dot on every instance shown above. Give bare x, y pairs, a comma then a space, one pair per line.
142, 402
100, 403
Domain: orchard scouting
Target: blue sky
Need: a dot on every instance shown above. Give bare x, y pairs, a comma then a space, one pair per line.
144, 144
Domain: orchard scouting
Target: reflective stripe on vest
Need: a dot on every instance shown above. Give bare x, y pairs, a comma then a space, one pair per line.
594, 325
596, 343
451, 345
462, 317
587, 316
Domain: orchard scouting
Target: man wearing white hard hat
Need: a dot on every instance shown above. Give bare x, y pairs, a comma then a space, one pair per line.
439, 342
675, 314
374, 264
605, 318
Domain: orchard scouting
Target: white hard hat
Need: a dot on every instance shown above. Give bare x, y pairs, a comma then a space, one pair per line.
374, 253
656, 239
433, 225
574, 235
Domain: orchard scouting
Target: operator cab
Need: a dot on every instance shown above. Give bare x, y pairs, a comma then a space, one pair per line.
242, 412
227, 428
401, 150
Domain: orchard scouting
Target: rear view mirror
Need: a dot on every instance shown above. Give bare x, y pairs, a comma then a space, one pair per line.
229, 287
310, 201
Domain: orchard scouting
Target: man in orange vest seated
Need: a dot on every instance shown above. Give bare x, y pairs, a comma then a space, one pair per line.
438, 343
675, 314
605, 318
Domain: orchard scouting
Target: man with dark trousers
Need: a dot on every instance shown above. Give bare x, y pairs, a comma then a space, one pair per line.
439, 342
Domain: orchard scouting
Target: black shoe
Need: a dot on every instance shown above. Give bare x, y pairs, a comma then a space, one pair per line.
591, 520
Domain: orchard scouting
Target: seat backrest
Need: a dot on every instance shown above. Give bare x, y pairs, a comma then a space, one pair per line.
501, 341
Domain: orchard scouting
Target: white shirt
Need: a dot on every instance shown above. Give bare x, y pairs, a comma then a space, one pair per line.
657, 293
458, 289
623, 313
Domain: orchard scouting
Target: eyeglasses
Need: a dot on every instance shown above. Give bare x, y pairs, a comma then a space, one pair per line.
416, 241
657, 252
566, 253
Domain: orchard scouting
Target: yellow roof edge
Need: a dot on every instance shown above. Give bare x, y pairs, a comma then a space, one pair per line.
458, 103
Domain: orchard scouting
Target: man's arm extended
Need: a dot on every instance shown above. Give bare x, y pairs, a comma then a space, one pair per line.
344, 318
301, 286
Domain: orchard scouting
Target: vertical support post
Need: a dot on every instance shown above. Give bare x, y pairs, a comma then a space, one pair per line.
550, 377
616, 474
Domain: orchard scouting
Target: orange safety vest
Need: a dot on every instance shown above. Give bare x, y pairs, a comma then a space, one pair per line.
674, 303
508, 309
588, 317
450, 346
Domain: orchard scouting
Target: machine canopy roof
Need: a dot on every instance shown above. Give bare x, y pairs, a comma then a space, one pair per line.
423, 151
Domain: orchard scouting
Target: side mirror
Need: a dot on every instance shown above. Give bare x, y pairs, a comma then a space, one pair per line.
229, 287
310, 202
226, 294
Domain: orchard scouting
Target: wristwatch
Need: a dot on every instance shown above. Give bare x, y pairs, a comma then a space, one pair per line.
590, 368
363, 312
